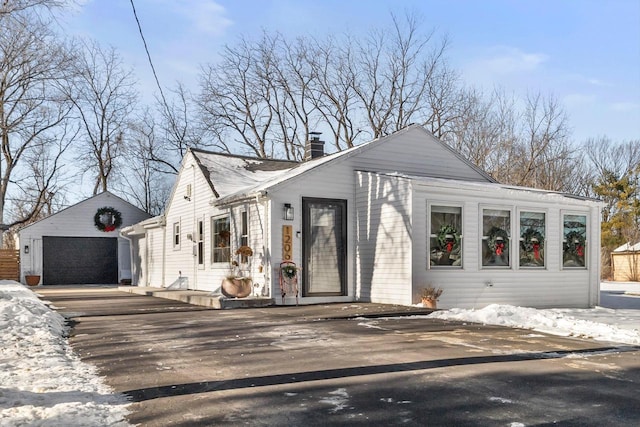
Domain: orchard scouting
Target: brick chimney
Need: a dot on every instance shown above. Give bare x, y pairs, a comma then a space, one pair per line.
314, 148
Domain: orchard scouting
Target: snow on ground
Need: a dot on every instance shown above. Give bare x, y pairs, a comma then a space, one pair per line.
42, 382
608, 323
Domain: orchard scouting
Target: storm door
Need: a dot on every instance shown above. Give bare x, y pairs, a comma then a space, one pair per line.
324, 250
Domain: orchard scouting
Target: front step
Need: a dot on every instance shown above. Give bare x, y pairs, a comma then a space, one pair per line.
200, 298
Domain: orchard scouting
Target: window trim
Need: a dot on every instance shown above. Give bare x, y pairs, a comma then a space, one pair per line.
200, 243
587, 248
177, 240
243, 235
213, 219
447, 204
481, 209
545, 257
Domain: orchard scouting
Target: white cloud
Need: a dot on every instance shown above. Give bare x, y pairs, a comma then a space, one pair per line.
574, 100
507, 60
206, 16
625, 106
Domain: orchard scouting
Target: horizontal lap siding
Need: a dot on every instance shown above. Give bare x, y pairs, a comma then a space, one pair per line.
469, 287
410, 152
384, 239
154, 245
416, 153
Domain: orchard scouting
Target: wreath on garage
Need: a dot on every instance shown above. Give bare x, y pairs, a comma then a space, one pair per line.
107, 219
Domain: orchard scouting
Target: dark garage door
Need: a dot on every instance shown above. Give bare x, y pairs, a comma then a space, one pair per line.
78, 260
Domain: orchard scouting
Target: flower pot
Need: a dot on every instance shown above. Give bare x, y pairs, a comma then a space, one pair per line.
236, 288
429, 303
32, 279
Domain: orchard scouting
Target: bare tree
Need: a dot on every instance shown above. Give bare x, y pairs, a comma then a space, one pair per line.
16, 6
33, 112
145, 184
104, 96
267, 96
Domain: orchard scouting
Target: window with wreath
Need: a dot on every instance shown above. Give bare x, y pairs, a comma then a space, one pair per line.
532, 236
574, 246
221, 239
496, 240
445, 243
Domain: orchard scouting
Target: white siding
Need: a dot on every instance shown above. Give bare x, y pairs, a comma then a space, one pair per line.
475, 286
154, 257
384, 246
77, 221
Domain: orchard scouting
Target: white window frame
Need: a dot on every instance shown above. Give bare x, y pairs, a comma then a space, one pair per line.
545, 260
481, 236
244, 232
447, 204
177, 240
587, 248
200, 243
214, 234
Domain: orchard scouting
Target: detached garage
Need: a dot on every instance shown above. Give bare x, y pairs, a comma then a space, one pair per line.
81, 244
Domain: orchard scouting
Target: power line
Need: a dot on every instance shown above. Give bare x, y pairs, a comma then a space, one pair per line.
146, 49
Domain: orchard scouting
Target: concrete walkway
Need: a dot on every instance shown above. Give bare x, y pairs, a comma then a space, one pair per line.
201, 298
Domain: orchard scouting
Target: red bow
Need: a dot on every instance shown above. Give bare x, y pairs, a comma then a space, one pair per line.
536, 250
580, 250
449, 246
499, 248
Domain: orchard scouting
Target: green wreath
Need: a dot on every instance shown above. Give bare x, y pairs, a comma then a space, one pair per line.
114, 219
528, 236
442, 237
574, 243
289, 271
492, 241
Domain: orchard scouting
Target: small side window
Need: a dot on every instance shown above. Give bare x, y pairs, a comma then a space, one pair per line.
176, 235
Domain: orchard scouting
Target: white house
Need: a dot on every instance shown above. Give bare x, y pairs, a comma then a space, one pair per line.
377, 222
81, 244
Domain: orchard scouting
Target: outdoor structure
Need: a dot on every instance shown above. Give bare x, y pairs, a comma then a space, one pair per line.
81, 244
625, 263
377, 222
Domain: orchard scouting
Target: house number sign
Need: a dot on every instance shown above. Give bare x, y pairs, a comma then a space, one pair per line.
287, 242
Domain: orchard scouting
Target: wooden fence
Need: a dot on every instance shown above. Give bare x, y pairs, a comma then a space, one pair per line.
10, 264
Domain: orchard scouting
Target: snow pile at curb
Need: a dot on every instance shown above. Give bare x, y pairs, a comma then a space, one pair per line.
41, 381
552, 321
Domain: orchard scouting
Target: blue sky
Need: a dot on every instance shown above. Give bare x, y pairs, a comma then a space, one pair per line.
586, 53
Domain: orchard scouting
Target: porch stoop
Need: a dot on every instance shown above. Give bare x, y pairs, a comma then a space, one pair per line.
201, 298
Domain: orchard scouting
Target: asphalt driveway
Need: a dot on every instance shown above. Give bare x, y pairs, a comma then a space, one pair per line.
341, 364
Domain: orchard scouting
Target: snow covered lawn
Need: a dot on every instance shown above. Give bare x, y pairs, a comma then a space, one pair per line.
617, 323
596, 323
42, 382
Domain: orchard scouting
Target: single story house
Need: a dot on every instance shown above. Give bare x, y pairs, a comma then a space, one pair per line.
81, 244
377, 222
625, 263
